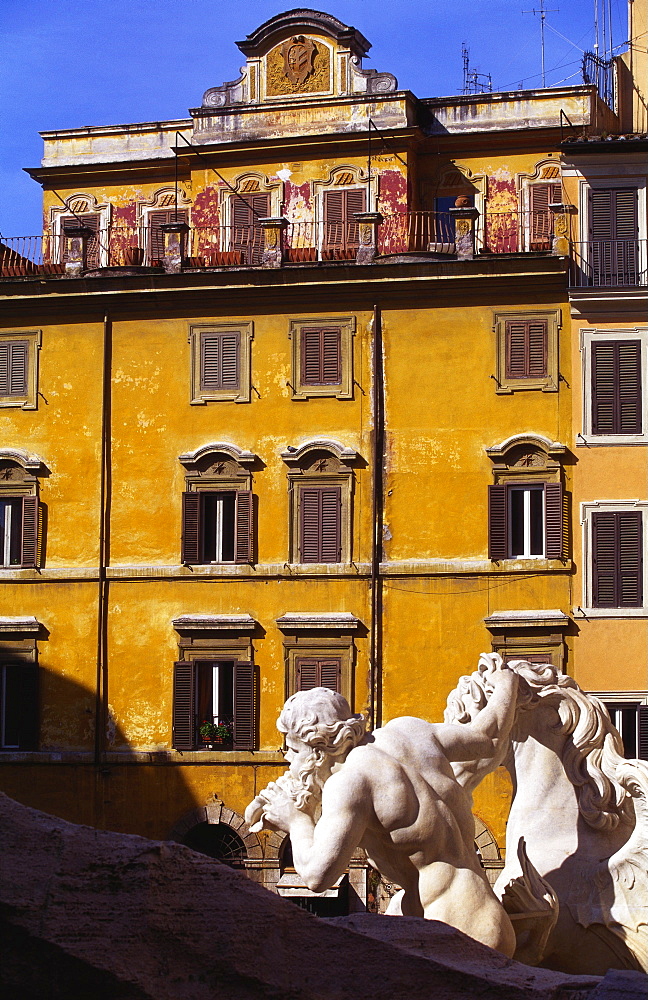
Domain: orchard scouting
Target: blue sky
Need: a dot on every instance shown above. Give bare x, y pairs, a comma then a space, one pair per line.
68, 63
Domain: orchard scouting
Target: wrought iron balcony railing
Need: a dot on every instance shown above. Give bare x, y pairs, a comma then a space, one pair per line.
609, 264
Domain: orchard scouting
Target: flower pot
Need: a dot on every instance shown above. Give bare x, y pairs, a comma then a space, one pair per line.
133, 256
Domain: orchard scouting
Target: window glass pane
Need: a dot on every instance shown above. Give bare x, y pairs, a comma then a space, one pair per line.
517, 522
218, 526
10, 531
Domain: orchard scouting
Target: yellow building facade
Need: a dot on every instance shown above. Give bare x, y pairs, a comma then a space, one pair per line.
291, 396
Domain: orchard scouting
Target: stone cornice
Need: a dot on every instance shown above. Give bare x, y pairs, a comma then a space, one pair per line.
214, 623
296, 621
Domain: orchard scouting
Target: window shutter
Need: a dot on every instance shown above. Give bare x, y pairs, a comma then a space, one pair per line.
311, 357
92, 246
331, 357
330, 674
156, 236
243, 706
28, 705
630, 559
355, 203
184, 717
541, 196
310, 516
307, 674
334, 218
191, 504
243, 527
219, 360
247, 233
331, 501
13, 368
553, 521
526, 349
497, 522
630, 415
616, 387
604, 560
643, 732
601, 222
625, 214
29, 532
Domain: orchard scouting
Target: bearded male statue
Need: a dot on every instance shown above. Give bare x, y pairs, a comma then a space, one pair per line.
392, 792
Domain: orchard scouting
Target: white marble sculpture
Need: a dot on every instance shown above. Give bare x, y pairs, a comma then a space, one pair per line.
394, 793
579, 816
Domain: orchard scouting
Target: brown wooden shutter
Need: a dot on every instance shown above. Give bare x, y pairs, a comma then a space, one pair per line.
331, 357
331, 502
541, 228
334, 219
311, 358
616, 387
553, 521
191, 528
355, 199
219, 361
244, 721
497, 522
526, 348
613, 231
617, 563
310, 522
29, 532
307, 674
155, 220
13, 368
184, 713
243, 541
91, 221
247, 232
643, 732
330, 671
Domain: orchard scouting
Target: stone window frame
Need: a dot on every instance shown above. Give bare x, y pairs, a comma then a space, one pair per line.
25, 483
341, 475
587, 508
79, 204
19, 641
265, 185
320, 636
542, 174
546, 383
245, 331
589, 337
33, 340
344, 390
236, 476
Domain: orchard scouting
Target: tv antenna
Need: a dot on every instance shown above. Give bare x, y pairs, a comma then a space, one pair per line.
474, 82
543, 13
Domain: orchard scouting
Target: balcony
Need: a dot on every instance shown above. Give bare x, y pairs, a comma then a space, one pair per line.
609, 264
303, 242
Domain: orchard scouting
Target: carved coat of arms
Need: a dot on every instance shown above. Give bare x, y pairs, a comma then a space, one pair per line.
298, 55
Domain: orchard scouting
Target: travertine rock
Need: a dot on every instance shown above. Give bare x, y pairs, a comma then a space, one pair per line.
87, 913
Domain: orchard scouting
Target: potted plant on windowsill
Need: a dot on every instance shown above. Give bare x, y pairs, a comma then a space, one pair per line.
215, 734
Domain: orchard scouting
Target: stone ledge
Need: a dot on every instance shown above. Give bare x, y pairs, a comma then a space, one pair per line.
528, 619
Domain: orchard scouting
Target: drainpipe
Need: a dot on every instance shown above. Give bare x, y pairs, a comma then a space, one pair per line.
378, 403
101, 696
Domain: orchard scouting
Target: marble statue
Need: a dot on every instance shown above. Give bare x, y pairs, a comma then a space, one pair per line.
394, 793
578, 821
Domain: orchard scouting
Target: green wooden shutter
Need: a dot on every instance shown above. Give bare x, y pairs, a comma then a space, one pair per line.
244, 706
243, 523
191, 528
497, 522
184, 713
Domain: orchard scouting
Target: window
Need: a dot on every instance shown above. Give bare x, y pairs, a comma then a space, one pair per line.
18, 531
614, 246
536, 636
319, 651
217, 526
91, 221
19, 368
341, 237
320, 522
320, 494
541, 196
614, 398
322, 357
155, 219
18, 706
525, 521
220, 362
246, 232
527, 351
617, 556
631, 720
315, 671
614, 541
220, 692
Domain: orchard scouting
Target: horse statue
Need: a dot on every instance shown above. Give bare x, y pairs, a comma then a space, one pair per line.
577, 833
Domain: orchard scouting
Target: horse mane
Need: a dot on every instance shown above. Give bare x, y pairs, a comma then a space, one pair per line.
593, 749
